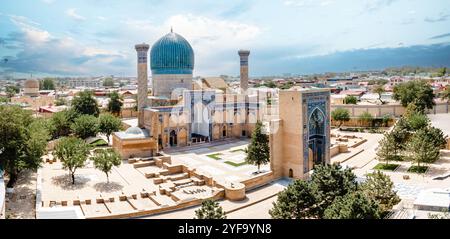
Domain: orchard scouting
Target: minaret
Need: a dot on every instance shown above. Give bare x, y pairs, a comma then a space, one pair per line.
244, 69
142, 75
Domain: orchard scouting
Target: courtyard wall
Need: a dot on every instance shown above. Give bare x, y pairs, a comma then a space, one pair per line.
395, 109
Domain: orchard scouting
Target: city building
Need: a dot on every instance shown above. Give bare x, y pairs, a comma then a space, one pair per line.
300, 137
31, 88
172, 64
300, 133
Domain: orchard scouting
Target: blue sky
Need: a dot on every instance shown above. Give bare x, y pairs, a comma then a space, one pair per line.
90, 38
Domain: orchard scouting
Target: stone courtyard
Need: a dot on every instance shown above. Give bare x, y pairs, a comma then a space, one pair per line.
223, 161
145, 186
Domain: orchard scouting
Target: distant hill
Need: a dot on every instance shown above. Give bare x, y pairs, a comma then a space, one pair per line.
437, 55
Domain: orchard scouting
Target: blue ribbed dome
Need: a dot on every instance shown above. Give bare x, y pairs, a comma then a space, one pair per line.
172, 54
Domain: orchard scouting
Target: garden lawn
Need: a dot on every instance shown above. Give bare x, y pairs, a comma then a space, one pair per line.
387, 167
417, 169
215, 156
235, 164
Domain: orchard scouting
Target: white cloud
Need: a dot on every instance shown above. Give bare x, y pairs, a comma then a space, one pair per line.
73, 14
48, 1
43, 53
101, 18
210, 38
308, 3
30, 30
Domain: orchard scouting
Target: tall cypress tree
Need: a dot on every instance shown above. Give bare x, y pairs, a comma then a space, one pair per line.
258, 151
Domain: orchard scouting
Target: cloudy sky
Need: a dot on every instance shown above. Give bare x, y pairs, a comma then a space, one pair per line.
90, 38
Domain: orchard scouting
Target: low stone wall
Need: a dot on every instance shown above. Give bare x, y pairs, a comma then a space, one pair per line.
259, 180
396, 110
356, 122
128, 113
218, 196
337, 149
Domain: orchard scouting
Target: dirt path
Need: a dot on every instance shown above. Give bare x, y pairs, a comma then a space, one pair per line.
22, 203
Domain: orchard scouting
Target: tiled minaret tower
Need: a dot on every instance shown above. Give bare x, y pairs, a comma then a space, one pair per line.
142, 68
244, 69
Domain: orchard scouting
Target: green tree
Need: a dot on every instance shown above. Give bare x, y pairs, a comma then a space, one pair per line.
108, 82
332, 181
419, 92
258, 151
85, 103
73, 153
387, 150
60, 101
61, 122
11, 91
115, 103
442, 71
445, 95
417, 121
436, 136
366, 118
23, 141
350, 100
380, 188
105, 160
340, 115
85, 126
401, 134
354, 205
386, 119
47, 84
379, 89
210, 210
422, 148
109, 124
270, 84
297, 201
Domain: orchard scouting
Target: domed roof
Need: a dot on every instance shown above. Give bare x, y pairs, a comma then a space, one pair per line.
172, 54
31, 83
134, 130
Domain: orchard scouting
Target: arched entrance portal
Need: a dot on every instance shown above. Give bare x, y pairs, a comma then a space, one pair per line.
224, 131
173, 138
316, 139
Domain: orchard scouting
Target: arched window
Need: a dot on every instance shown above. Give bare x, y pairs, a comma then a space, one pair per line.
317, 123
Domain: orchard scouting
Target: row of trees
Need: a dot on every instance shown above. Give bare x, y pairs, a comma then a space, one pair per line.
342, 115
84, 119
74, 152
333, 193
69, 122
23, 138
412, 138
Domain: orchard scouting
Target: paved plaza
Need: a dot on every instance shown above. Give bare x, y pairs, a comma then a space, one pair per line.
148, 186
407, 189
201, 158
254, 206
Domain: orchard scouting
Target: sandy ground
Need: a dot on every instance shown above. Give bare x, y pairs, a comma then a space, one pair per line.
21, 204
